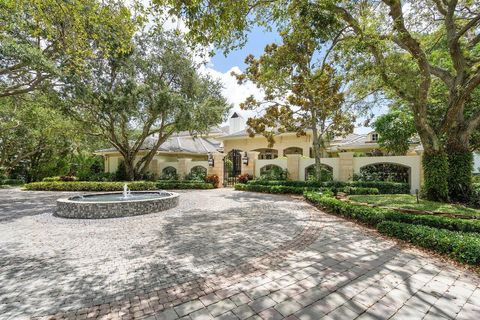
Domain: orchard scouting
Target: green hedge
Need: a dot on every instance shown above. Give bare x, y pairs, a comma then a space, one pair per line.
373, 216
301, 190
11, 182
463, 247
114, 186
279, 189
383, 187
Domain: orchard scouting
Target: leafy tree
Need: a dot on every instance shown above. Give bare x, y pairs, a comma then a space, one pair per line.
396, 129
42, 39
384, 41
36, 140
302, 90
137, 100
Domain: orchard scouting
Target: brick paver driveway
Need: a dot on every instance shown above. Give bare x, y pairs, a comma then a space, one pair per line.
221, 253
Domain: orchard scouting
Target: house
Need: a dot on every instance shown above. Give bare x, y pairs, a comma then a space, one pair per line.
344, 157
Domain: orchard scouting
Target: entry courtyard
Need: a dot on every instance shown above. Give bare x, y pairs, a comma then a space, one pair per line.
222, 254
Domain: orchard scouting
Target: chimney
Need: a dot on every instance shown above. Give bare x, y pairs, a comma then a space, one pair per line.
236, 123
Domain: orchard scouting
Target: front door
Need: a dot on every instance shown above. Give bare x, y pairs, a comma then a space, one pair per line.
232, 167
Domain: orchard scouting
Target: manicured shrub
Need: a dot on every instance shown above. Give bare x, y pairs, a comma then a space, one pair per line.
213, 179
244, 178
360, 190
68, 178
280, 189
115, 186
372, 216
464, 247
384, 187
11, 182
460, 167
435, 168
51, 179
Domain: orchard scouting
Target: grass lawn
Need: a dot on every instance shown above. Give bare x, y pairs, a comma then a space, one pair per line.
407, 201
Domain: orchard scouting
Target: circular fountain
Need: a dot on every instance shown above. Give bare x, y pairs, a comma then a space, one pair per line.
115, 204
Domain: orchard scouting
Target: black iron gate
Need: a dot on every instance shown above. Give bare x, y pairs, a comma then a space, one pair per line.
232, 167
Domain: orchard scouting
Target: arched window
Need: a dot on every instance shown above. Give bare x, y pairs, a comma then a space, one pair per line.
197, 173
293, 150
169, 173
273, 172
384, 172
327, 173
267, 154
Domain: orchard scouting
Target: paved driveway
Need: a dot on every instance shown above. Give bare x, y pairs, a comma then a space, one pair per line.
220, 253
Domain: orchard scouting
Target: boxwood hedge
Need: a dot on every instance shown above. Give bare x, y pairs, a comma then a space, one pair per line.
114, 186
373, 216
384, 187
301, 189
464, 247
458, 238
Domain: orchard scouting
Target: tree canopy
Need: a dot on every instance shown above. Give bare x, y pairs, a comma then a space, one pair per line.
138, 99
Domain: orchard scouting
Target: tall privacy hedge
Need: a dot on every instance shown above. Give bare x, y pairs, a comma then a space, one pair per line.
435, 168
460, 166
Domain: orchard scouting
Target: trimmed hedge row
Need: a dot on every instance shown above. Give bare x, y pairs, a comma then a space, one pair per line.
463, 247
383, 187
456, 237
373, 216
279, 189
301, 190
114, 186
10, 182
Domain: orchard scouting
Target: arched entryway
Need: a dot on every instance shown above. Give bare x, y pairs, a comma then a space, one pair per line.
327, 172
384, 171
292, 150
232, 167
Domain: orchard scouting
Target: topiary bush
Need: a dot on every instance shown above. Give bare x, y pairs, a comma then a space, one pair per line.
435, 168
463, 247
460, 166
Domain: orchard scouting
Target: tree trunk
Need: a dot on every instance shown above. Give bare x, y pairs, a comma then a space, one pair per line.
460, 164
317, 153
129, 168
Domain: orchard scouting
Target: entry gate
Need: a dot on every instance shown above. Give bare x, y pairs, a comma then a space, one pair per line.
232, 167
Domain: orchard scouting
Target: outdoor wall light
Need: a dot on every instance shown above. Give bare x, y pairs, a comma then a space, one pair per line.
245, 159
211, 162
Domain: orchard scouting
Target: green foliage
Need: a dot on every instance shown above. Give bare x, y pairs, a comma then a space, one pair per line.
383, 172
114, 186
121, 173
460, 167
435, 168
43, 40
273, 172
459, 246
279, 189
360, 190
326, 173
383, 187
373, 216
198, 173
407, 201
169, 173
396, 129
11, 182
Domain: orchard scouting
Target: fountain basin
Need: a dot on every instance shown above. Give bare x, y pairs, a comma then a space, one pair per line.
114, 204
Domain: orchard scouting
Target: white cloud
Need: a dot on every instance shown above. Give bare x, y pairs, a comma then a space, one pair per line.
232, 91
